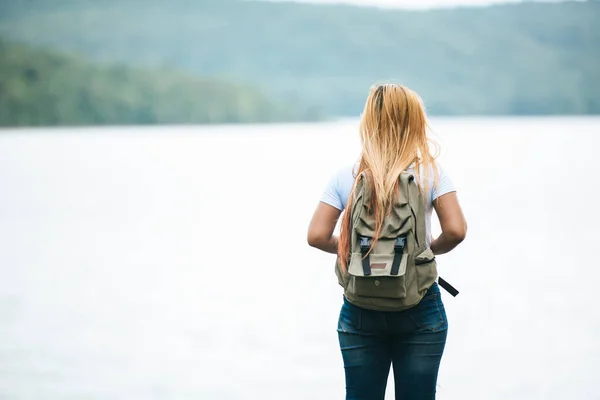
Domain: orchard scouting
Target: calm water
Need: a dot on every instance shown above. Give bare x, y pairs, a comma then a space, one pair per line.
171, 263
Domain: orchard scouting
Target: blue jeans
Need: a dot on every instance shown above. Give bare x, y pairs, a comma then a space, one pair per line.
412, 340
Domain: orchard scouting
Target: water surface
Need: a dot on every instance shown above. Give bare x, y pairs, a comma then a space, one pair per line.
171, 262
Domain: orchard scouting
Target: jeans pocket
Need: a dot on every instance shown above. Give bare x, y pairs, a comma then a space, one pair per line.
350, 318
428, 314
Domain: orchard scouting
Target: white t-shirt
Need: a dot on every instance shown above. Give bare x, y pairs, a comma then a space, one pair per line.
338, 190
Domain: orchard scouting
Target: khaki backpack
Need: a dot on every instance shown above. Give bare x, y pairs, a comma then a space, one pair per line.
399, 270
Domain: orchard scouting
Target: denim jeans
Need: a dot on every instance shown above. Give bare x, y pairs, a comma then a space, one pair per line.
412, 341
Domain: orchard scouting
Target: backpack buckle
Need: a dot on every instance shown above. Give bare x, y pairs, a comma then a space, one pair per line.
365, 243
399, 244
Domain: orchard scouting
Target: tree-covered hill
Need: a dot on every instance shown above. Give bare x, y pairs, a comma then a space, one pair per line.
45, 88
525, 58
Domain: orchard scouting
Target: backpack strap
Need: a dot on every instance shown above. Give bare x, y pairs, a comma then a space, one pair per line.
448, 287
416, 199
363, 185
365, 244
417, 205
398, 250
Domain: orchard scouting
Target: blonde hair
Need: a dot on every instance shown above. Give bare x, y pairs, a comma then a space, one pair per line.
393, 133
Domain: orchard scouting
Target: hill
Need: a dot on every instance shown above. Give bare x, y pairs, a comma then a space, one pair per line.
526, 58
45, 88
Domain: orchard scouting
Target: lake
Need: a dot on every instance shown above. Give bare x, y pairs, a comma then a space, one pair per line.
172, 263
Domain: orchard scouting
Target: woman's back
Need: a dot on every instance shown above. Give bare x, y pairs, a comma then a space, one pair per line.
340, 185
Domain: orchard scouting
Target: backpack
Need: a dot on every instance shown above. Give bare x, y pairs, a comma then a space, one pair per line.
400, 269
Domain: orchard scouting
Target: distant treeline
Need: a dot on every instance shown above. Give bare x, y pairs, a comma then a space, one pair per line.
525, 58
39, 87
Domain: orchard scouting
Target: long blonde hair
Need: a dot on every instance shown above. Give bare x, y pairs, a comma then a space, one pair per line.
393, 133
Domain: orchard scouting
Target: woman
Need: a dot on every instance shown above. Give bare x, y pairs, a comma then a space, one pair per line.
393, 135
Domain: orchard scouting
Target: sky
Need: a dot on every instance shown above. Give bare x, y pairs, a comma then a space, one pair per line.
413, 3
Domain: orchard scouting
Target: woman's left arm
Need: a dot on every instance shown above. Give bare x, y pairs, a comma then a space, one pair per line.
320, 231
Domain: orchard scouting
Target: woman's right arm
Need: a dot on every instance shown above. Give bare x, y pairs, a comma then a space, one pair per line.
322, 225
452, 222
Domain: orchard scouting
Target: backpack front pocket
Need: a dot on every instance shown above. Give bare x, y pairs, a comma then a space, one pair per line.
380, 265
382, 287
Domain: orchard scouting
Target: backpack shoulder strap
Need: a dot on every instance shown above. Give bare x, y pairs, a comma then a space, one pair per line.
417, 203
409, 186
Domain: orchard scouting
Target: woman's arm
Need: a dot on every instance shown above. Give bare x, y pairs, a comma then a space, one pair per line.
322, 225
452, 222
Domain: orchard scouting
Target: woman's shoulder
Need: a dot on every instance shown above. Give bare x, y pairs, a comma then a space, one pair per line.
339, 187
436, 178
348, 170
344, 176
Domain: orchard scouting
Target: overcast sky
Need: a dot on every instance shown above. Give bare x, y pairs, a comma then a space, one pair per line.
413, 3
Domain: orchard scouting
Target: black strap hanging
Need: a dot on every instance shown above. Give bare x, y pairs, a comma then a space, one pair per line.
448, 287
398, 251
365, 244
